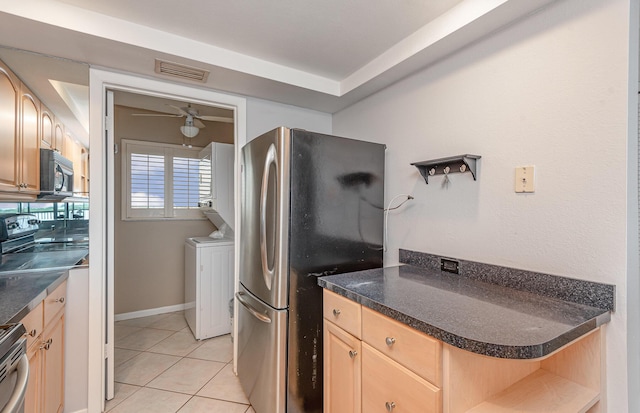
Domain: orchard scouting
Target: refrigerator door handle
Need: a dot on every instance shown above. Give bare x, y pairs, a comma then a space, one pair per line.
270, 158
252, 310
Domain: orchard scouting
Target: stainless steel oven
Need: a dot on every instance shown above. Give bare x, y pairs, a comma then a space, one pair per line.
14, 368
16, 230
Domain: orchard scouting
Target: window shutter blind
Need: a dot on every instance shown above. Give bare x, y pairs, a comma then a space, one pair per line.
186, 183
147, 181
160, 181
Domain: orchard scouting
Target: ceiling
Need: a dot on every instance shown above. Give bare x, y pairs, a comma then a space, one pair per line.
161, 105
322, 55
305, 35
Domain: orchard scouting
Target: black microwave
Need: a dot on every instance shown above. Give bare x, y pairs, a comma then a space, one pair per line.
56, 175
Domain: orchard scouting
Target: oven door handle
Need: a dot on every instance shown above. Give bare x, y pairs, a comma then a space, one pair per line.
16, 400
61, 172
252, 310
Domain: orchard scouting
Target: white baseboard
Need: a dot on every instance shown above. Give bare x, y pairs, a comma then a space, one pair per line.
151, 311
79, 411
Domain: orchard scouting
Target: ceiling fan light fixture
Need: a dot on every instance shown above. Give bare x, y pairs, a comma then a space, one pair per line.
189, 131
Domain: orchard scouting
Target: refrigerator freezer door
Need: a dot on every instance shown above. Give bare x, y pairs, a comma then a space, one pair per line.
262, 338
265, 219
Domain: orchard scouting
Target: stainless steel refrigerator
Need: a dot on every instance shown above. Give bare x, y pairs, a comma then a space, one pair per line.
312, 205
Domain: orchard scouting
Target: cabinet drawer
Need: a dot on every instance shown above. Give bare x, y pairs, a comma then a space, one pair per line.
55, 302
33, 323
343, 312
389, 387
413, 349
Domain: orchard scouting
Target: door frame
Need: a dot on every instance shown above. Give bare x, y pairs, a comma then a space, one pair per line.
101, 214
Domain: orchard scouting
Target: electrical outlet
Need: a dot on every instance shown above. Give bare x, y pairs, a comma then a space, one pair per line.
449, 265
525, 179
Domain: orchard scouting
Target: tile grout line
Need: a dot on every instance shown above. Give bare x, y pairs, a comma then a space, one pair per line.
225, 364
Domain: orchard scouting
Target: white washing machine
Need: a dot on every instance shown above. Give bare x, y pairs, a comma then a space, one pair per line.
208, 285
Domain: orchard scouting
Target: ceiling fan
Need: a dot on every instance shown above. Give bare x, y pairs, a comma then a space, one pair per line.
192, 124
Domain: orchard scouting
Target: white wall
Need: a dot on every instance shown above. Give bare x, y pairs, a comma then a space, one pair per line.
550, 91
264, 115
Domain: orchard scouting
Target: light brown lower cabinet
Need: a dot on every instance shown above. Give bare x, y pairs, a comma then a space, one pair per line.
381, 365
32, 398
342, 358
53, 367
359, 378
45, 350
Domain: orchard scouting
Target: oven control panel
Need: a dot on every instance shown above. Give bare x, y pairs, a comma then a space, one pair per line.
17, 225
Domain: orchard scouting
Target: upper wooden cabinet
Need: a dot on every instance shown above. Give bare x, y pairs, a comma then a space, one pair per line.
9, 137
85, 172
58, 136
47, 122
26, 125
20, 136
30, 142
77, 154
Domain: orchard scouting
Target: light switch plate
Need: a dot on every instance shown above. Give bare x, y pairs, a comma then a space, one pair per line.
525, 179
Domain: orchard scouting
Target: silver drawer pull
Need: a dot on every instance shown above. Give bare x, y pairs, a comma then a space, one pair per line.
59, 300
336, 312
353, 353
390, 406
33, 333
47, 344
390, 341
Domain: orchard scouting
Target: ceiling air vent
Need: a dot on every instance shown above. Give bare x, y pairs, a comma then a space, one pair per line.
182, 71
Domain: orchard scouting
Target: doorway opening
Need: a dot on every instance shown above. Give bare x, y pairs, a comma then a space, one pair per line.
156, 198
113, 104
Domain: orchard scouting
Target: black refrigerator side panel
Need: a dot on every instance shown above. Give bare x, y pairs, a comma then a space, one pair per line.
336, 226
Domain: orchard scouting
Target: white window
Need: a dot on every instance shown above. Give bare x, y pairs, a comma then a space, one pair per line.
160, 181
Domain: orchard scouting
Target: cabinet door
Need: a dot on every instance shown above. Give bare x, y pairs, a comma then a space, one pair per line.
53, 367
68, 147
32, 397
9, 148
47, 134
73, 152
77, 168
342, 371
30, 143
58, 137
85, 172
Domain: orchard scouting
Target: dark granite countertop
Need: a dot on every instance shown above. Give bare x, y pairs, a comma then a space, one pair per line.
27, 278
473, 315
21, 291
41, 260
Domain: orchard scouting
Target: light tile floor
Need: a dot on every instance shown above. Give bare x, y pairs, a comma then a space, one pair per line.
161, 368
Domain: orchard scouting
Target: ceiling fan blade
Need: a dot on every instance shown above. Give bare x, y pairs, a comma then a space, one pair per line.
180, 110
198, 124
216, 118
156, 114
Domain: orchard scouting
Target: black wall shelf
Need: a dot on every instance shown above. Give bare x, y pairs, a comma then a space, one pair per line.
456, 164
